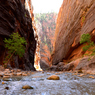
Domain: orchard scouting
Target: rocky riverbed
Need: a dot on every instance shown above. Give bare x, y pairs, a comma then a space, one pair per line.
38, 83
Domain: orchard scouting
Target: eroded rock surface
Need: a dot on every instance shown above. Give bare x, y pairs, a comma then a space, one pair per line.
15, 18
44, 65
75, 18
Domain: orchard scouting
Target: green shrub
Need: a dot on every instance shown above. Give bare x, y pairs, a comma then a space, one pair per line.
15, 45
85, 48
86, 38
83, 19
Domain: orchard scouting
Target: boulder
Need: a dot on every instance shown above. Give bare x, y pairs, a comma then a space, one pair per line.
83, 63
53, 77
58, 67
68, 67
44, 66
53, 68
86, 64
27, 87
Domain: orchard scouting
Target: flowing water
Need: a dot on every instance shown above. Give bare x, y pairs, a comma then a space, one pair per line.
67, 85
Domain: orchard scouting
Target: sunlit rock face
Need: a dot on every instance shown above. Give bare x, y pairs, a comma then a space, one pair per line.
75, 18
15, 18
46, 23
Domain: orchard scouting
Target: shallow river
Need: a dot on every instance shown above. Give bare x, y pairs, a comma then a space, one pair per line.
67, 85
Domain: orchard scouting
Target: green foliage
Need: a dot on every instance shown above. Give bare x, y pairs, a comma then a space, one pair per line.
83, 19
15, 45
89, 59
87, 38
85, 48
25, 15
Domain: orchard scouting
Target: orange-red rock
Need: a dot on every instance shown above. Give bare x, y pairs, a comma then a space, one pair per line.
75, 18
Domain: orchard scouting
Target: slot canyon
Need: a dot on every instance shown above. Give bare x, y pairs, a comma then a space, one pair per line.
47, 52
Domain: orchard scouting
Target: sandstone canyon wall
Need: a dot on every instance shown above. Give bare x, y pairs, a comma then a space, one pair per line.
46, 23
15, 18
75, 18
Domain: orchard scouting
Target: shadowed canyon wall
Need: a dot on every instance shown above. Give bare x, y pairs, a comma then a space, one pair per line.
75, 18
15, 18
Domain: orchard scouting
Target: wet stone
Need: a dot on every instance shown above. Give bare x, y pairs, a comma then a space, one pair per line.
18, 70
81, 75
53, 77
12, 70
6, 76
91, 77
7, 70
3, 82
80, 71
7, 79
19, 74
14, 74
1, 74
7, 88
27, 87
23, 74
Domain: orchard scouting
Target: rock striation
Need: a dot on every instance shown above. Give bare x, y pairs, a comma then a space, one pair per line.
75, 18
15, 18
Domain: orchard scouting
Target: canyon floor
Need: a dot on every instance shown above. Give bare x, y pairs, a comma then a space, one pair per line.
69, 83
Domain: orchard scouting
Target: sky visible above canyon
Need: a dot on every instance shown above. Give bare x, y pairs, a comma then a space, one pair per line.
45, 6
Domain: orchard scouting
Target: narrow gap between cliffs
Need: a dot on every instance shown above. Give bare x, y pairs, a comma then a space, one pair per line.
45, 17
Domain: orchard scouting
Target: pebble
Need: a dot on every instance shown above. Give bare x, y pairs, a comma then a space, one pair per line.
74, 73
14, 74
81, 75
7, 70
80, 71
91, 77
23, 74
7, 79
7, 88
3, 82
58, 73
6, 76
12, 70
19, 74
1, 74
18, 70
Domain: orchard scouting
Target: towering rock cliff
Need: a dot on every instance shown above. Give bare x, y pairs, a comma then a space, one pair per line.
15, 18
46, 23
75, 18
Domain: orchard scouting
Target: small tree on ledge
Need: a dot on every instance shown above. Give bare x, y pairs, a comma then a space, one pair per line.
86, 38
15, 45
